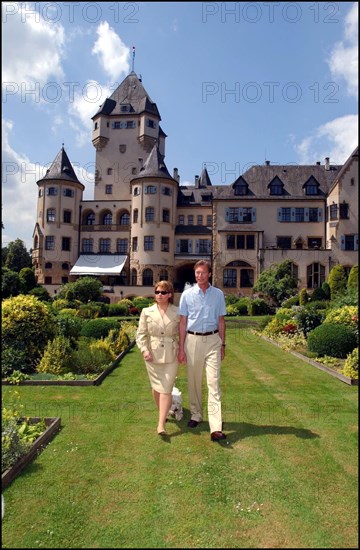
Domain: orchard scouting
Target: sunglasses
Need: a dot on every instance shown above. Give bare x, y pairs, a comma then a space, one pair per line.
162, 292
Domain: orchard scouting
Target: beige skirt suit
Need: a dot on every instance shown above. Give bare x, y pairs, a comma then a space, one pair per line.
159, 335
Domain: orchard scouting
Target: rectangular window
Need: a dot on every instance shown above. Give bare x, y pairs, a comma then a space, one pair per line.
50, 242
199, 220
50, 215
184, 246
67, 216
204, 246
87, 245
333, 211
150, 123
283, 242
209, 220
190, 220
246, 278
148, 242
150, 190
65, 243
299, 215
68, 192
166, 191
285, 214
104, 245
122, 246
344, 211
135, 244
108, 189
109, 171
229, 278
166, 216
165, 244
313, 215
181, 220
314, 242
51, 191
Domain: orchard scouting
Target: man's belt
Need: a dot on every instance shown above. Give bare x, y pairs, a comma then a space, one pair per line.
202, 333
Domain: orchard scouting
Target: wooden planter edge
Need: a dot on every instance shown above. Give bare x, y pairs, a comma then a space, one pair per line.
53, 425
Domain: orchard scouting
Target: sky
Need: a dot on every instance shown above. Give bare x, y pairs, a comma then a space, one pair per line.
236, 83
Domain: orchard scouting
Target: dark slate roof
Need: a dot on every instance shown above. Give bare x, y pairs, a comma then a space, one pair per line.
61, 169
154, 166
204, 179
293, 178
130, 92
192, 230
194, 195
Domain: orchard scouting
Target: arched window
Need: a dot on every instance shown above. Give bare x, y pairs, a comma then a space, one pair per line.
107, 218
315, 275
90, 219
125, 219
164, 275
48, 265
148, 277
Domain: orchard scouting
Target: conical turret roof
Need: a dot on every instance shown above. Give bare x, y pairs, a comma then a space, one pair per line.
154, 166
61, 169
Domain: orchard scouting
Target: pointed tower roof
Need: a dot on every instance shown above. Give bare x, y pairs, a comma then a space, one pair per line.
61, 169
130, 94
154, 166
204, 179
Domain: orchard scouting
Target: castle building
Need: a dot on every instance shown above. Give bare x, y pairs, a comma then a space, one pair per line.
143, 225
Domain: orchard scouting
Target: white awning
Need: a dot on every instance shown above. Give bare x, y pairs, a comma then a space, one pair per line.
98, 264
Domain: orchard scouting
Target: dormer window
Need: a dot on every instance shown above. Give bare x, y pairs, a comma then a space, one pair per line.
240, 187
311, 186
125, 108
276, 187
150, 123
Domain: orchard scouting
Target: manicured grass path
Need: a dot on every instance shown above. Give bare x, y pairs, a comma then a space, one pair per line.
286, 477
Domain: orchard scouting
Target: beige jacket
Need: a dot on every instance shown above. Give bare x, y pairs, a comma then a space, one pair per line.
159, 335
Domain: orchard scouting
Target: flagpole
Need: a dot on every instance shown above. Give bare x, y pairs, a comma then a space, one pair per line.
133, 58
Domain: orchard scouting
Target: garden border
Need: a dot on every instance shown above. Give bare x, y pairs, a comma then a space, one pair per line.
96, 382
53, 425
332, 372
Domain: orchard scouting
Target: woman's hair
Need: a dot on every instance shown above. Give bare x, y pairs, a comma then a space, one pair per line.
168, 287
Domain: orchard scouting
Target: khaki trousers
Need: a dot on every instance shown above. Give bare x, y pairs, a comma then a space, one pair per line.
204, 351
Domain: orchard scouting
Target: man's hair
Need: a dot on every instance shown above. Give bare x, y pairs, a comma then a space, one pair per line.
203, 263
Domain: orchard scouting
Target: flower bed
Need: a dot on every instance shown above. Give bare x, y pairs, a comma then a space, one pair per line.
94, 382
52, 426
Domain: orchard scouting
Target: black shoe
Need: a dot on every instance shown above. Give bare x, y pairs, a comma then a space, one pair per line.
217, 436
193, 423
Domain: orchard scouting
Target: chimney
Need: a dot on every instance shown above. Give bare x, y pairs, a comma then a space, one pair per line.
140, 162
176, 175
267, 162
196, 181
327, 163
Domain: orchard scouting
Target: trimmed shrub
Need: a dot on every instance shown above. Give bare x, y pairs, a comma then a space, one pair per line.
353, 279
242, 306
351, 366
98, 328
27, 324
57, 357
318, 295
120, 309
41, 293
337, 280
303, 297
327, 290
333, 340
293, 301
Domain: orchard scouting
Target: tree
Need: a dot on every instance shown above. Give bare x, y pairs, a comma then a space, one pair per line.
27, 280
10, 283
17, 256
337, 281
277, 283
85, 289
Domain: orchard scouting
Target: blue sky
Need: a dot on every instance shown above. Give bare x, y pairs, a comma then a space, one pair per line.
236, 83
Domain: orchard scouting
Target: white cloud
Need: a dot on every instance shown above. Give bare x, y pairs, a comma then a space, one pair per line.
23, 65
84, 106
343, 60
336, 139
19, 189
19, 192
111, 51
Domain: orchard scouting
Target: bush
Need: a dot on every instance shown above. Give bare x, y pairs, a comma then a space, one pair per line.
293, 301
27, 324
91, 357
119, 309
41, 293
231, 310
303, 297
264, 321
231, 299
318, 295
351, 366
337, 281
12, 448
346, 315
333, 340
353, 279
307, 320
12, 359
258, 306
57, 357
98, 328
69, 326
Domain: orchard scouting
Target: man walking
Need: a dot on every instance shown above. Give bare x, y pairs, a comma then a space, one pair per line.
202, 344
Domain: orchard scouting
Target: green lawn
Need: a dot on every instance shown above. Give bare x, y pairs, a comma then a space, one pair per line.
286, 477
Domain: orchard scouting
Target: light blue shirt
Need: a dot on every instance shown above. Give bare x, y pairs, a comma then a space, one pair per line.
202, 310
